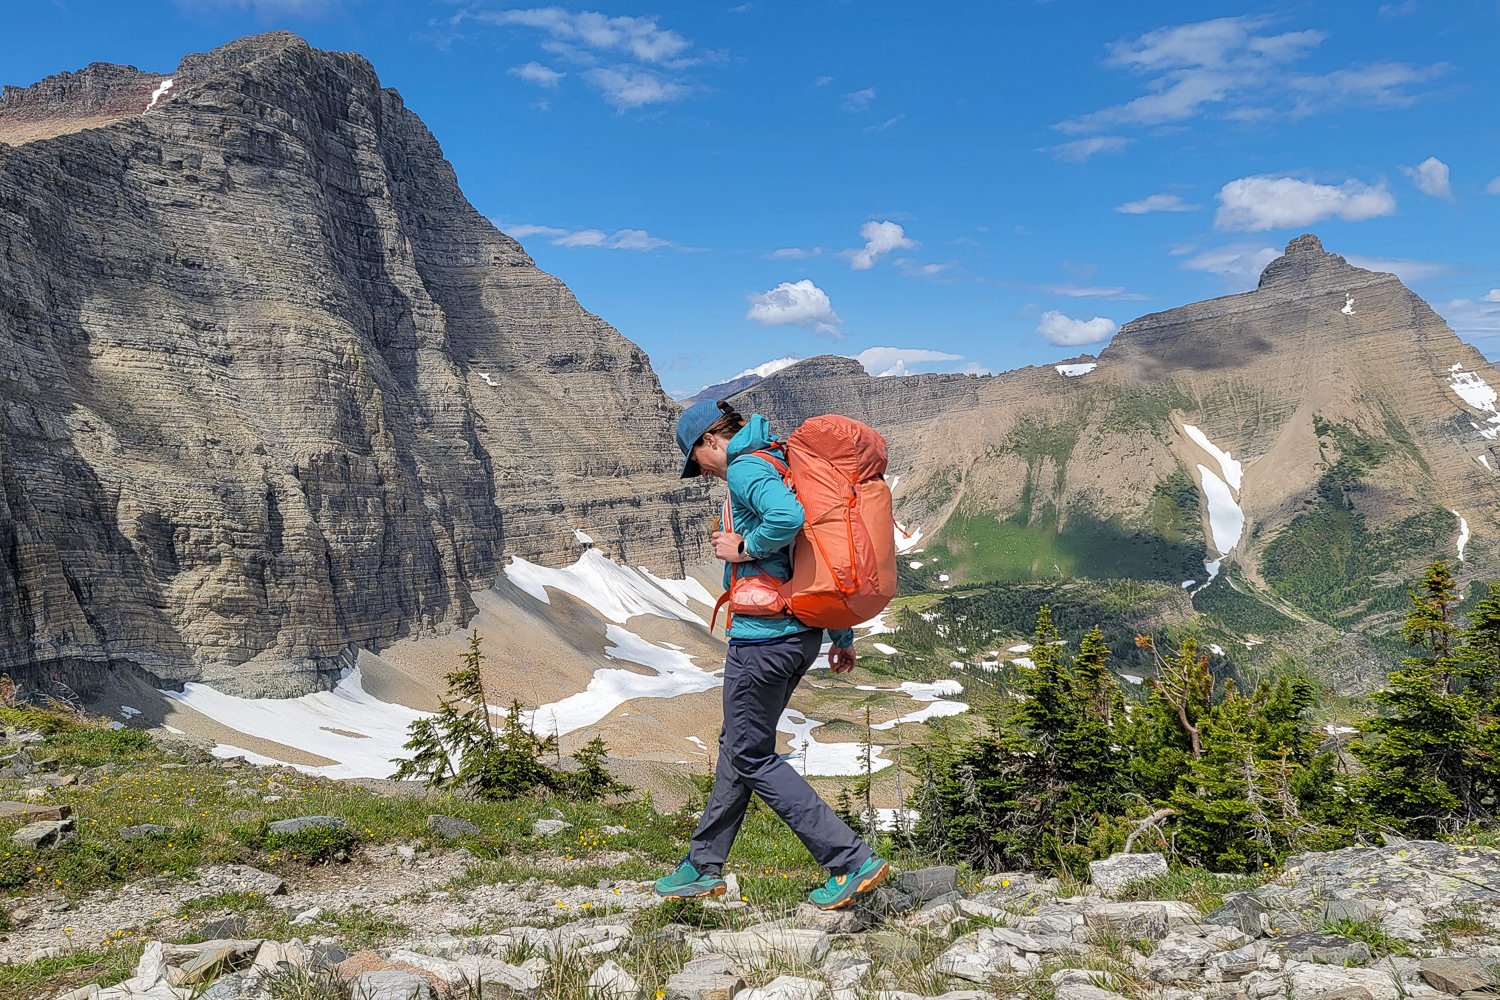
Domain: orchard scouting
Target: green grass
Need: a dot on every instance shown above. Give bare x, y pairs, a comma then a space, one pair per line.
50, 976
1381, 944
1198, 886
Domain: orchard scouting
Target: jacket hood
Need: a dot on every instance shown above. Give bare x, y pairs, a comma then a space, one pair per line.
755, 435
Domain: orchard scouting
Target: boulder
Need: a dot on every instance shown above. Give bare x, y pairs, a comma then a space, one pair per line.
1308, 980
392, 984
1232, 966
759, 946
548, 827
300, 823
1129, 921
1456, 975
43, 834
610, 982
708, 977
30, 812
983, 955
925, 884
1328, 949
451, 827
849, 920
788, 988
239, 878
1117, 871
1244, 912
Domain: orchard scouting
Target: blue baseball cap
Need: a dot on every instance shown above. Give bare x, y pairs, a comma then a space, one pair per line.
691, 426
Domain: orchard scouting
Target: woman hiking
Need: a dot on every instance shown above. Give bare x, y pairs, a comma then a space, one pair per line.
767, 658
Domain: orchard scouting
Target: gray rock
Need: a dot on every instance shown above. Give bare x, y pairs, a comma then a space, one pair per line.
143, 830
233, 926
610, 982
1117, 871
1244, 912
235, 987
983, 955
1457, 975
548, 827
891, 901
925, 884
1307, 980
1329, 949
757, 947
788, 988
1235, 964
299, 823
1084, 991
849, 920
451, 827
703, 986
391, 985
1145, 921
43, 834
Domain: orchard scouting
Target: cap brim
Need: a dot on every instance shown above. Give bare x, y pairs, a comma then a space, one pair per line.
690, 469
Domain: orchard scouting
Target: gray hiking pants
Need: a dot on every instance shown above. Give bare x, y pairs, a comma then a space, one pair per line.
758, 683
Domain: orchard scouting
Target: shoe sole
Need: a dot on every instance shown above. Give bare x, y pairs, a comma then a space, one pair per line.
871, 882
717, 890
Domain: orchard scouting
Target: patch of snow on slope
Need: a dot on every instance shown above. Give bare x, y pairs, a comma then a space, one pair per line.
1188, 584
127, 712
228, 751
933, 710
906, 542
684, 590
1233, 471
611, 687
582, 537
1216, 649
1025, 661
616, 592
897, 820
701, 744
1226, 521
1479, 394
1133, 678
1463, 535
1348, 309
915, 564
1484, 460
1073, 371
887, 650
160, 91
1020, 647
931, 691
808, 756
315, 723
877, 626
487, 380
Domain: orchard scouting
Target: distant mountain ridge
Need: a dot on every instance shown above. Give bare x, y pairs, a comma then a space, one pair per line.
1311, 443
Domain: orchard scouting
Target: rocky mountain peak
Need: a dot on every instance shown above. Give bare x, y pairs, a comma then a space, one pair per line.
1305, 264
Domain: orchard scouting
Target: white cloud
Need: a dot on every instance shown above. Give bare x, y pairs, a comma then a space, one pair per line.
1062, 329
822, 81
859, 100
1239, 265
1493, 187
796, 303
914, 269
639, 37
1093, 292
626, 88
631, 61
1157, 203
536, 73
890, 122
1237, 67
880, 238
885, 362
1407, 270
1431, 177
1081, 149
1493, 295
620, 239
1252, 204
795, 253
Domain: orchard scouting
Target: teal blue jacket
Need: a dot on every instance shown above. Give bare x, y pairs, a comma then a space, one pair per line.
767, 515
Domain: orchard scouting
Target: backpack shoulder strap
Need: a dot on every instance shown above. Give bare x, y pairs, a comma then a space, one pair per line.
775, 461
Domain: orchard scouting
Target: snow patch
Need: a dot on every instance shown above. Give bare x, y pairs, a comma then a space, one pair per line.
809, 756
1233, 471
1073, 371
1025, 661
1133, 678
611, 687
1463, 535
887, 650
1188, 584
1484, 460
487, 380
931, 691
933, 710
877, 625
1479, 394
1216, 649
1333, 730
915, 564
1020, 647
160, 91
685, 590
906, 542
582, 537
127, 712
897, 820
616, 592
700, 743
361, 734
1348, 309
942, 578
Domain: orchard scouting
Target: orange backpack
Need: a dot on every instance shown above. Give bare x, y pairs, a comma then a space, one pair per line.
844, 558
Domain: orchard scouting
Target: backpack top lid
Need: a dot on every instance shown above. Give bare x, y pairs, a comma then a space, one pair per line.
855, 449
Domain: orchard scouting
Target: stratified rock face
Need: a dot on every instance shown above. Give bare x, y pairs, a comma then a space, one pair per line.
271, 389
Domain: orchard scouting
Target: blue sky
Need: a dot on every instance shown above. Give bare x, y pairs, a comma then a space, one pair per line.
998, 183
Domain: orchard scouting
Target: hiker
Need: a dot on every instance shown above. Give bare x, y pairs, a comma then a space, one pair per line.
767, 658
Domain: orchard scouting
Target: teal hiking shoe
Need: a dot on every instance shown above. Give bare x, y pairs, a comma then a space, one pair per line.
687, 883
840, 890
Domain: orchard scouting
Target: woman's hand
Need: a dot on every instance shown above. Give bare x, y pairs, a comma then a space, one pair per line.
841, 659
727, 547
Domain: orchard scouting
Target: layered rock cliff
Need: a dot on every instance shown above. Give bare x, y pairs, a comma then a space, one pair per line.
272, 390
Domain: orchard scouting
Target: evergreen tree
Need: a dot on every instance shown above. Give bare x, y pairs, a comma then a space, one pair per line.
1418, 776
459, 729
590, 780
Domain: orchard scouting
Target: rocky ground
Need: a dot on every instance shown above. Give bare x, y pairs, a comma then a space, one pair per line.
1405, 920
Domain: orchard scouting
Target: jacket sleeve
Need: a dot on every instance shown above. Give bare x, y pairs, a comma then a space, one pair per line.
841, 637
757, 485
